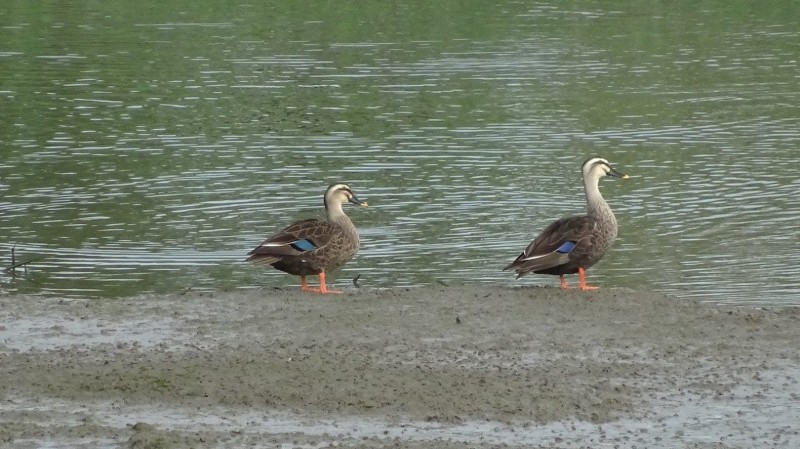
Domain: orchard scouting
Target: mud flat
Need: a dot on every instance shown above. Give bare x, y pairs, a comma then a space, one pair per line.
432, 367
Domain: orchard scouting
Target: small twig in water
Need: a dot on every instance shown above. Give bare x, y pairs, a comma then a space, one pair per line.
14, 265
355, 281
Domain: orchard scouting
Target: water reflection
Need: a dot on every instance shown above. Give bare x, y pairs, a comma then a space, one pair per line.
132, 169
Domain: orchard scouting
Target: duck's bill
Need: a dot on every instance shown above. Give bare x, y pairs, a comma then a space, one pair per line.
357, 201
617, 174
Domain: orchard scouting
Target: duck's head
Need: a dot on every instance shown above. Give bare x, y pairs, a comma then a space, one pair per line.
597, 167
337, 194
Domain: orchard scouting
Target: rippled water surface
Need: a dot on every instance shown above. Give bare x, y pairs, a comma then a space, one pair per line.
148, 149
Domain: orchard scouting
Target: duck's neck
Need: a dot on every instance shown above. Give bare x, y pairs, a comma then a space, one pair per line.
336, 215
595, 204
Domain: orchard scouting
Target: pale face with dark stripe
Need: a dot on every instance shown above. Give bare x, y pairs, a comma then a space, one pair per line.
598, 167
339, 194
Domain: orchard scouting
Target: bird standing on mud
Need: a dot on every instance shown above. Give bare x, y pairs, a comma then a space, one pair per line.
314, 247
573, 244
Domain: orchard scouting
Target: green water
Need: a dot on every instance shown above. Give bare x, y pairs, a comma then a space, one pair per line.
148, 148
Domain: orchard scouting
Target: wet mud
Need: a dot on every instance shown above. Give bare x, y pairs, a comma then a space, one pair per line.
455, 366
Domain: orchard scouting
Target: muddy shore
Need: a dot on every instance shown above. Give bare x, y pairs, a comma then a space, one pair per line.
457, 366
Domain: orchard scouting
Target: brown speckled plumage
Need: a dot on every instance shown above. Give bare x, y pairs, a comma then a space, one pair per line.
573, 244
314, 247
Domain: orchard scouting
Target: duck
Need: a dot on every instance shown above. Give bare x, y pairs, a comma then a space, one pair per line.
314, 247
574, 244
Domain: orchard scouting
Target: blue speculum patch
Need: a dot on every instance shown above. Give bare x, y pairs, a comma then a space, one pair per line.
565, 247
303, 245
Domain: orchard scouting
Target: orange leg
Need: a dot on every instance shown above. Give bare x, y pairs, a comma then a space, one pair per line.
564, 284
582, 280
322, 287
304, 286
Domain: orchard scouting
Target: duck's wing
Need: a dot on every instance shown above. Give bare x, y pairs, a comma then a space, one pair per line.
552, 247
296, 239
